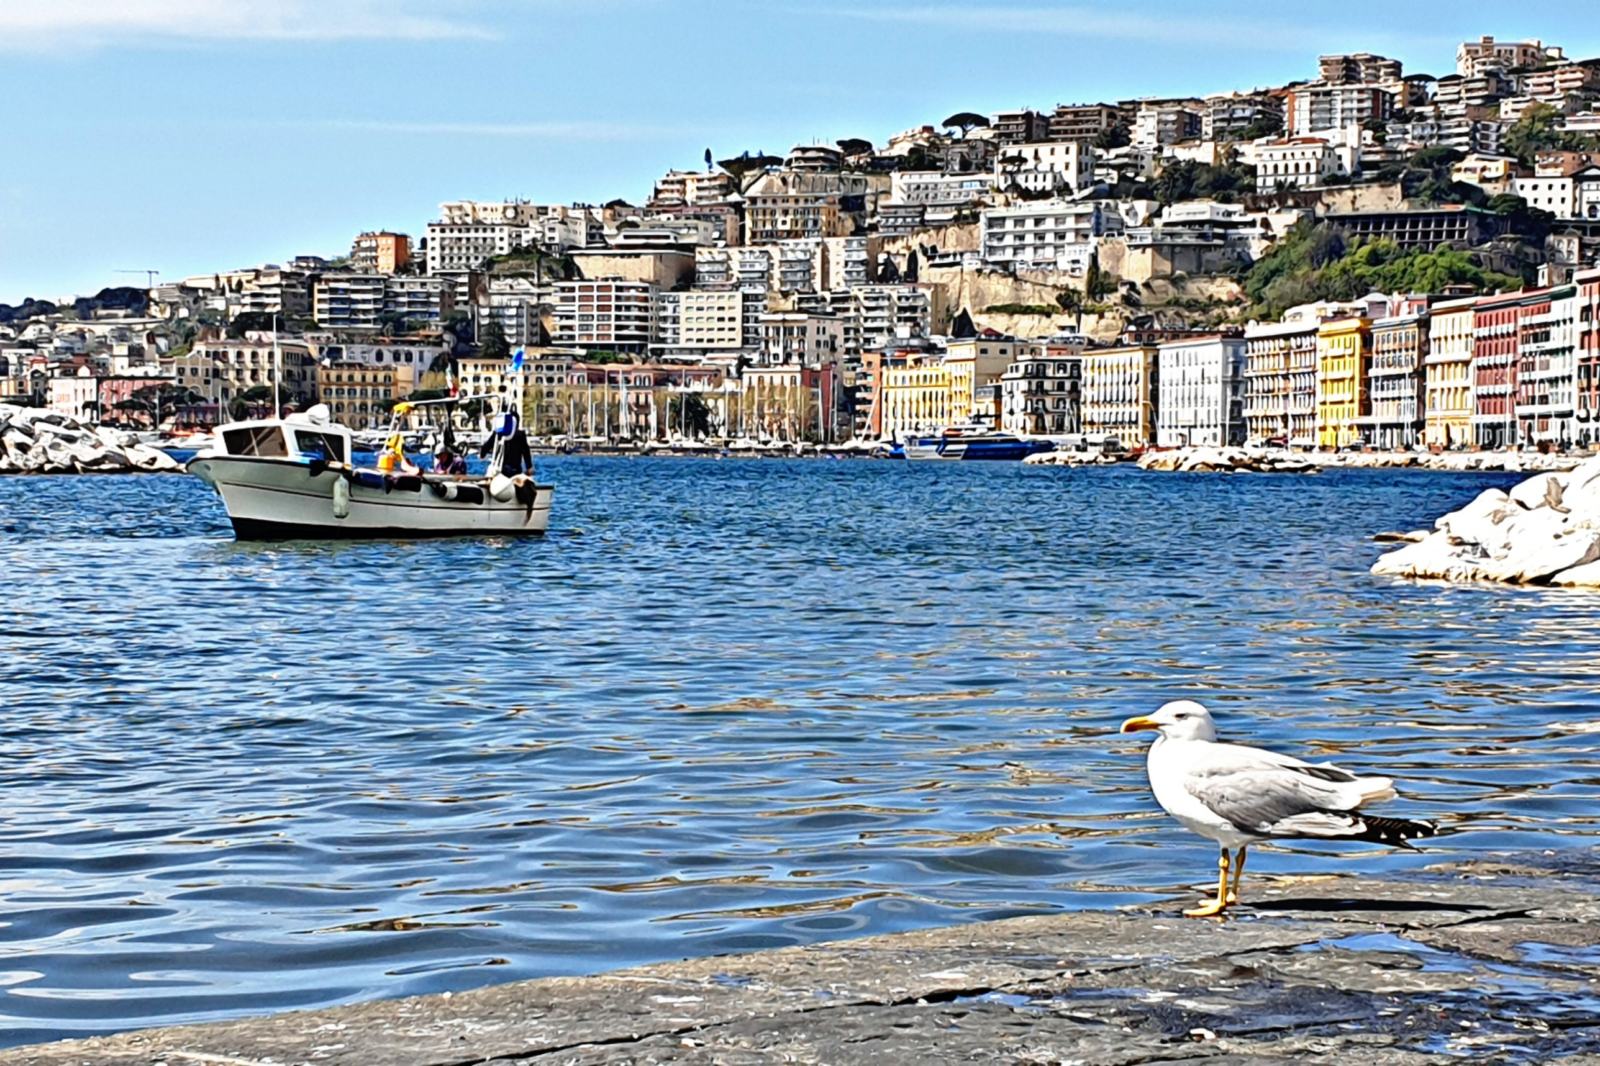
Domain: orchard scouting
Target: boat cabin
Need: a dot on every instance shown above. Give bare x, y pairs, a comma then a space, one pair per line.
300, 438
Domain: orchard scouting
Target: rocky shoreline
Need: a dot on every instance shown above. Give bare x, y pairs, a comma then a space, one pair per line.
1279, 460
1495, 960
1545, 531
36, 441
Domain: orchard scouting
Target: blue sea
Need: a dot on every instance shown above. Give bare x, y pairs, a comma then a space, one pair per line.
725, 705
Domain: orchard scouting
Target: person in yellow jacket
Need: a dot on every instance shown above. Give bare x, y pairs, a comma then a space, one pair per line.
392, 459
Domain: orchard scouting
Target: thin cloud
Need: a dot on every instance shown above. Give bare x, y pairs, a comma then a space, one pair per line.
54, 25
1093, 23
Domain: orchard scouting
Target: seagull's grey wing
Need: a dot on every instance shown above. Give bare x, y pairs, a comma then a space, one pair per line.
1273, 795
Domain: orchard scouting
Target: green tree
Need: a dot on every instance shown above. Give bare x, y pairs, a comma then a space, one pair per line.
690, 408
493, 344
1115, 136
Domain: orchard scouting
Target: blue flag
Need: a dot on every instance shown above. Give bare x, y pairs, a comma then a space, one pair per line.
516, 361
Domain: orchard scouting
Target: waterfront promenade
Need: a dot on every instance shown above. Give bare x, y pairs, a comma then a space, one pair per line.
1490, 959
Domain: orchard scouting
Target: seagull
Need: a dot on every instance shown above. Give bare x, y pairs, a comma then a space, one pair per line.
1237, 795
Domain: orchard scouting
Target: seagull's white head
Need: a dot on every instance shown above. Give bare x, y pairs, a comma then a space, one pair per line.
1178, 720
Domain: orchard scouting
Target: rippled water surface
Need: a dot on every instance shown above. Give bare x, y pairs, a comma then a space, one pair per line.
723, 706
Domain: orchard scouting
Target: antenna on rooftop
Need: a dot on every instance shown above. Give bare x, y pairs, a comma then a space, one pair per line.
149, 275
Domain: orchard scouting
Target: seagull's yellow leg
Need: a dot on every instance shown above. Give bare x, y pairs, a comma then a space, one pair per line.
1238, 872
1214, 906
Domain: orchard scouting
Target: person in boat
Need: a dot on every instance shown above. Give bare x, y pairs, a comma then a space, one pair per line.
448, 462
392, 459
516, 457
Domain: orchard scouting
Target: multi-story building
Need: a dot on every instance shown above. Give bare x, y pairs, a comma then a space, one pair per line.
1587, 340
697, 319
518, 304
781, 205
1048, 166
1160, 123
468, 232
935, 189
1299, 162
1200, 392
1494, 370
267, 290
1229, 116
1344, 354
1019, 127
419, 353
1083, 122
1280, 379
1395, 377
1041, 394
606, 313
1474, 58
1556, 84
815, 159
1547, 367
801, 338
1548, 192
380, 252
692, 188
367, 301
914, 396
1120, 393
1323, 108
1357, 68
1457, 224
876, 315
975, 365
849, 261
1447, 374
223, 371
362, 396
1046, 234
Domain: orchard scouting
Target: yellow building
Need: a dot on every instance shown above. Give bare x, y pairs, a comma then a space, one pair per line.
1119, 393
916, 398
361, 396
1447, 375
1344, 351
976, 364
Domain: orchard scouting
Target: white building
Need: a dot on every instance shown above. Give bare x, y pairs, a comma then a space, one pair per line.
1547, 374
700, 319
365, 301
1046, 234
1200, 383
1323, 108
1042, 395
1299, 162
518, 304
1157, 125
1050, 166
875, 315
1555, 194
934, 189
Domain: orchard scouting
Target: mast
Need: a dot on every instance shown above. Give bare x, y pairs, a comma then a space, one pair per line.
277, 371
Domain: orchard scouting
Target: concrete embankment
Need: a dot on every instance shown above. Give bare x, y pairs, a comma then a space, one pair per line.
1492, 961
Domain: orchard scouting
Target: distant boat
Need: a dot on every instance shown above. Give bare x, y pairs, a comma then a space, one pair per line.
294, 478
973, 442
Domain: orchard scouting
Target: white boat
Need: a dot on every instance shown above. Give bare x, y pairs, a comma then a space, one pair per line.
292, 478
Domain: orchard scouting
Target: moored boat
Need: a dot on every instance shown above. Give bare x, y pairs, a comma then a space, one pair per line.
977, 442
293, 478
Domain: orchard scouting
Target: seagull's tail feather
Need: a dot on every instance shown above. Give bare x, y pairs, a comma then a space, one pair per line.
1396, 832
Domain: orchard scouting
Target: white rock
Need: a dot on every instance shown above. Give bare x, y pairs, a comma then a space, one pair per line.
1542, 490
1585, 576
1478, 521
1537, 544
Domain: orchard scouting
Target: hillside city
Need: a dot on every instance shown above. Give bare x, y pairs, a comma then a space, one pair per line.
1362, 258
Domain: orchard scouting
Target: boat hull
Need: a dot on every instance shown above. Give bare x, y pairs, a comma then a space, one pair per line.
964, 448
273, 499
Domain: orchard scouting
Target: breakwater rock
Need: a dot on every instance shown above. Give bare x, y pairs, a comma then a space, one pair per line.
1226, 460
1071, 458
1459, 462
36, 441
1545, 531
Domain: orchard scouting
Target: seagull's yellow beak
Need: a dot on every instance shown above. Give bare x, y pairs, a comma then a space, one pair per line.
1133, 725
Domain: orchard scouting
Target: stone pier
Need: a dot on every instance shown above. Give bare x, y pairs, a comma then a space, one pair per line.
1491, 961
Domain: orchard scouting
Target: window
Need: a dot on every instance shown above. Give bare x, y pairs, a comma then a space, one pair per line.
263, 441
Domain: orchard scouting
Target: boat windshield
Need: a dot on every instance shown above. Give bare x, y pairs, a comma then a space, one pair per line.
313, 445
263, 441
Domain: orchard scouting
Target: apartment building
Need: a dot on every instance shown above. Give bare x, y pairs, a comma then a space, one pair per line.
975, 365
1082, 122
1041, 394
518, 304
802, 338
874, 316
1160, 123
367, 301
1302, 162
362, 396
1447, 374
1344, 356
692, 188
1323, 108
1200, 392
1547, 367
1357, 68
223, 370
698, 319
380, 252
783, 205
1229, 116
609, 314
1120, 393
1474, 58
1046, 234
1280, 379
468, 232
1587, 340
1494, 370
1047, 166
1395, 378
1019, 127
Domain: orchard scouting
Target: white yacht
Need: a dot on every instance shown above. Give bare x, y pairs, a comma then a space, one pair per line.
292, 478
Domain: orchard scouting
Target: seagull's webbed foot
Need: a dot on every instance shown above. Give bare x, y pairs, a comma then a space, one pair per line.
1213, 907
1208, 909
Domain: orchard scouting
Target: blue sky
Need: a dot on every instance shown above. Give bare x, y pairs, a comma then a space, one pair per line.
195, 135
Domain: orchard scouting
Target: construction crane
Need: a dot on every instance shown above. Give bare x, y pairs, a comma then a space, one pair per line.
149, 275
